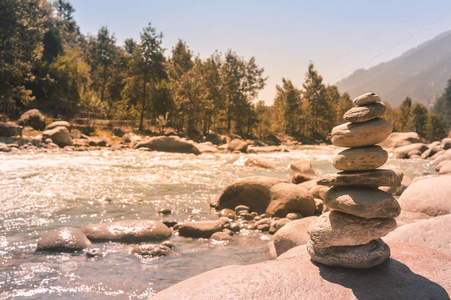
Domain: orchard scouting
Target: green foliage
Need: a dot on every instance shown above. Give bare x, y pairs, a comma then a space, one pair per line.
21, 35
443, 105
47, 64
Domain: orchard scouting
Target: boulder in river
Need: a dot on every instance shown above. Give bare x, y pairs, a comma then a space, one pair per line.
288, 197
237, 145
399, 139
127, 231
58, 124
32, 118
9, 129
59, 136
168, 144
64, 239
254, 192
413, 272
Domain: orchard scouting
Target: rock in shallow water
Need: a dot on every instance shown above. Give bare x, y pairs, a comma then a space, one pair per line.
365, 202
363, 158
379, 177
128, 231
150, 250
202, 229
361, 256
335, 228
64, 239
361, 134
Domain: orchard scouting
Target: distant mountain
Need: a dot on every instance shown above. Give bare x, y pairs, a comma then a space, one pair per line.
420, 73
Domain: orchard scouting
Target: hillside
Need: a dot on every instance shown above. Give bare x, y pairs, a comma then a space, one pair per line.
420, 73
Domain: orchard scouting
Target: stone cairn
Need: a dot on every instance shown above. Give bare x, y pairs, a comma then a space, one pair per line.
349, 235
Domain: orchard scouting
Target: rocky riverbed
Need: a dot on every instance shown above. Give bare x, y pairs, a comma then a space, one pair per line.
47, 190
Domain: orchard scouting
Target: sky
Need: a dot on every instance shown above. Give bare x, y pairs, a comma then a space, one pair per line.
337, 36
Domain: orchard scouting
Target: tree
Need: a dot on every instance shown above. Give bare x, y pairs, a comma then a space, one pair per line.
104, 60
288, 101
146, 70
418, 119
436, 127
404, 114
241, 81
443, 105
318, 112
21, 34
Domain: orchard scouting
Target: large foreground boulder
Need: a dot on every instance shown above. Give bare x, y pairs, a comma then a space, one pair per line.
168, 144
32, 118
64, 239
59, 135
9, 129
128, 231
413, 272
433, 233
430, 196
253, 192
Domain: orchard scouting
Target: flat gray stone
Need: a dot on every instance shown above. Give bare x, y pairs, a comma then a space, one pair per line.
361, 257
359, 159
366, 98
365, 112
365, 202
379, 177
335, 228
361, 134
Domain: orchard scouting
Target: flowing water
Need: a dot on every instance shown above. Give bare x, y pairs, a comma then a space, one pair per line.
41, 191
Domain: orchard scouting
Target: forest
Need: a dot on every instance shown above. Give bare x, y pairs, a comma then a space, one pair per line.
48, 64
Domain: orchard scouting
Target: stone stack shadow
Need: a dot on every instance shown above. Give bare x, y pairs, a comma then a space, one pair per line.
349, 235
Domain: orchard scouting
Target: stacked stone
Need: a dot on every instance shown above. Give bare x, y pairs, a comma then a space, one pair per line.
350, 234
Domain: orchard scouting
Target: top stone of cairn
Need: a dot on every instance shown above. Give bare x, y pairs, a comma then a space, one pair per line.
367, 98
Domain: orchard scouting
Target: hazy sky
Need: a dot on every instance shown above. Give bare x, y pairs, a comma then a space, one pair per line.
284, 36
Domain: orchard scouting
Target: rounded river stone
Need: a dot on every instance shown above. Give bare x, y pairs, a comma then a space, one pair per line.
127, 231
362, 256
366, 98
365, 112
363, 158
64, 239
378, 177
336, 228
365, 202
361, 134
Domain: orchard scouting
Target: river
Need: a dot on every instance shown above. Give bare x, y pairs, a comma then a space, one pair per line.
43, 190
